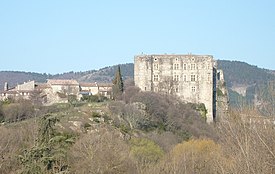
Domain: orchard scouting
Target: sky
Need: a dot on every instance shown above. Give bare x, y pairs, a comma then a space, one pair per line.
57, 36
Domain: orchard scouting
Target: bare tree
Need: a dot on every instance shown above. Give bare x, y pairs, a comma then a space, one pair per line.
168, 85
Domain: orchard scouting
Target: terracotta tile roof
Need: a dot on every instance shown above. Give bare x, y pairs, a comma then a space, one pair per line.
62, 82
42, 85
88, 84
105, 84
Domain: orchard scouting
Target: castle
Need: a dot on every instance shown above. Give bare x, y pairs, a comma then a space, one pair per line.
193, 78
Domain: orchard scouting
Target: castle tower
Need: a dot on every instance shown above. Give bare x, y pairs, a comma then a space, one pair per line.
191, 77
6, 86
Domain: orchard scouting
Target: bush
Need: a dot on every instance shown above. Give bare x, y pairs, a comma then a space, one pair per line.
18, 111
145, 151
93, 98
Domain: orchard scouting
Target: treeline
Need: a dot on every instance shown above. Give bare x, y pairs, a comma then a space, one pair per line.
102, 75
236, 72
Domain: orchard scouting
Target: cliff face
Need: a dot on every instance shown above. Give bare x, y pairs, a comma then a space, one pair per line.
222, 97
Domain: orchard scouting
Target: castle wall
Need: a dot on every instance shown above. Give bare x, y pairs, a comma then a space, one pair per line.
191, 77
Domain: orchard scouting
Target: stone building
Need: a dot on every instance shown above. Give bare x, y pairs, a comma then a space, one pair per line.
55, 90
103, 89
21, 91
89, 88
191, 77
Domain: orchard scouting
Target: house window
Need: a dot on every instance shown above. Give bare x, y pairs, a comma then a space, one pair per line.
156, 66
176, 66
193, 66
176, 77
193, 89
193, 78
184, 78
184, 67
156, 78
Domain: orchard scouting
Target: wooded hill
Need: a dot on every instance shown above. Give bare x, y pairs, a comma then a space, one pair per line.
257, 83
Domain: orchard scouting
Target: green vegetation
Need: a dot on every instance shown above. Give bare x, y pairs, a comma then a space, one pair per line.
118, 87
260, 84
145, 151
102, 75
236, 72
48, 155
93, 98
150, 133
144, 132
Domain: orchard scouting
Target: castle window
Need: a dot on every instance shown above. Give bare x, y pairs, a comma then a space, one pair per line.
193, 78
156, 78
176, 77
155, 59
177, 89
208, 76
184, 67
193, 89
156, 66
193, 66
176, 66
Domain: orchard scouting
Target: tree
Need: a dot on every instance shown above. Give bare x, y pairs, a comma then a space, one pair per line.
48, 155
117, 84
168, 85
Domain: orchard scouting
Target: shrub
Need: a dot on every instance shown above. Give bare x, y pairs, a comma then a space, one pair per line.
145, 151
18, 111
94, 98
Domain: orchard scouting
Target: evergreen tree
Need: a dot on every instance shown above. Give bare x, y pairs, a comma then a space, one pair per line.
117, 84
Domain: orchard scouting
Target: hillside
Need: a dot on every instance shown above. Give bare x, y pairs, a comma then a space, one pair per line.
240, 73
102, 75
248, 85
17, 77
147, 134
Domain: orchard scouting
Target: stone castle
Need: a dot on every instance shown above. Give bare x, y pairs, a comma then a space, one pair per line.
194, 78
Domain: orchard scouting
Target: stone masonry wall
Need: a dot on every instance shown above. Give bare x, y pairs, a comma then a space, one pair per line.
191, 77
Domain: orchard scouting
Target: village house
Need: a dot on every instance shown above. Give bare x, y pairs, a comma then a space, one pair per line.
89, 88
55, 90
103, 89
23, 91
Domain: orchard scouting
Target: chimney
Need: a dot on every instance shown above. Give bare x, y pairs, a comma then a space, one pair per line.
6, 86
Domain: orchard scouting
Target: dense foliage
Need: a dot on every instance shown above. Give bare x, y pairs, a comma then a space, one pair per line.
118, 86
236, 72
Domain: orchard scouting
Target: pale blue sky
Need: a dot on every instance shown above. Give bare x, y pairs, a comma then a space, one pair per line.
56, 36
